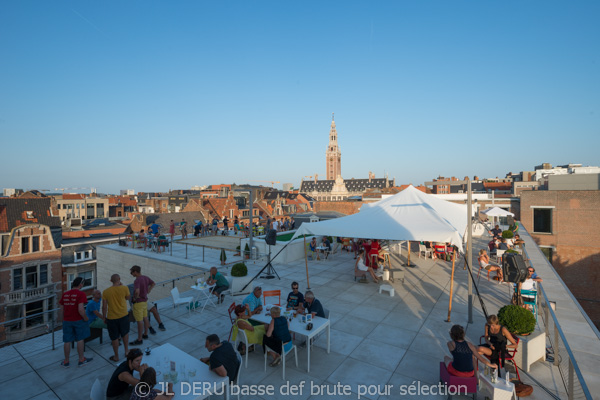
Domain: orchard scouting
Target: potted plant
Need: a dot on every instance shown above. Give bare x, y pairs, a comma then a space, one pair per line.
247, 251
237, 249
239, 279
517, 320
508, 234
223, 257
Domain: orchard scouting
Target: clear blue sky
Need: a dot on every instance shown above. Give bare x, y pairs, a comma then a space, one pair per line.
157, 95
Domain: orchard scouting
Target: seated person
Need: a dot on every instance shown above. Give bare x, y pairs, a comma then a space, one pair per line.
530, 284
295, 299
122, 381
461, 363
518, 241
154, 228
484, 262
223, 360
362, 266
148, 378
325, 243
496, 232
95, 317
253, 302
313, 244
221, 283
496, 340
254, 333
503, 245
277, 335
312, 305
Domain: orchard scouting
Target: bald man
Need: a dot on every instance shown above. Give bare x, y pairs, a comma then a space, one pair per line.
114, 311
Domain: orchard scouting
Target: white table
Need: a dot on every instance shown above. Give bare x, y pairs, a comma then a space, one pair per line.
204, 294
498, 390
323, 249
186, 387
299, 328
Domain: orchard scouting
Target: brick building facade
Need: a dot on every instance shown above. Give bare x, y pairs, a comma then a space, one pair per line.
566, 226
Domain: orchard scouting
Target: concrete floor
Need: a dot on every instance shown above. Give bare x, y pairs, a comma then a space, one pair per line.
375, 339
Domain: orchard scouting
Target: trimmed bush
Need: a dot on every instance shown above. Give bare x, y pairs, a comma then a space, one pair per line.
507, 234
517, 320
239, 270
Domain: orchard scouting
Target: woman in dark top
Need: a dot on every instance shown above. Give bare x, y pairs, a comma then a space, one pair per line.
462, 352
123, 375
147, 391
496, 338
278, 333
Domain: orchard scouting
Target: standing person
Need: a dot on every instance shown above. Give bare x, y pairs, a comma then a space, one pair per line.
223, 360
292, 223
172, 229
286, 225
142, 286
221, 283
198, 228
225, 226
183, 227
95, 318
215, 226
269, 224
275, 224
236, 225
114, 311
75, 322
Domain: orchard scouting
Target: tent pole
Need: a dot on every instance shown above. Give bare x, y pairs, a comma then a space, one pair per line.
408, 248
470, 248
451, 285
306, 262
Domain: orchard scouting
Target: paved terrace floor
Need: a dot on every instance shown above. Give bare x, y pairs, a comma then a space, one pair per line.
375, 339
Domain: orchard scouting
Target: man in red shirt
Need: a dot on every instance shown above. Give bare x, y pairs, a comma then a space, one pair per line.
142, 286
75, 326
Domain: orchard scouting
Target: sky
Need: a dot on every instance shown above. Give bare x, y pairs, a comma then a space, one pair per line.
158, 95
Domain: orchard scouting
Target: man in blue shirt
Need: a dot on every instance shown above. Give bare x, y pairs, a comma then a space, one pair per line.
154, 228
95, 318
295, 298
253, 301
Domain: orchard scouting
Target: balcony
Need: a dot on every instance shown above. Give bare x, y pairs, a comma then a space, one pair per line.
25, 296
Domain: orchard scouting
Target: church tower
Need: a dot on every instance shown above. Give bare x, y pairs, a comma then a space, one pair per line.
333, 154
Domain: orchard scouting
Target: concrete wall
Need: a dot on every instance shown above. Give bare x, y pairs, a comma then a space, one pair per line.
574, 182
112, 261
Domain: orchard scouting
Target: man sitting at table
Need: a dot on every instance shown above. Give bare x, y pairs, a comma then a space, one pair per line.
295, 299
312, 305
122, 381
220, 281
223, 360
496, 232
253, 301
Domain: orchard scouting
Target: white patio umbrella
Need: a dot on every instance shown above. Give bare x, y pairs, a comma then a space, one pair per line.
497, 212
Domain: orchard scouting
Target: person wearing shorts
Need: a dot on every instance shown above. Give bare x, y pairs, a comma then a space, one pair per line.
141, 287
114, 310
221, 283
75, 325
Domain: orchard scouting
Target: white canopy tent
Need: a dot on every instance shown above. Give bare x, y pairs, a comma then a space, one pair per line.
497, 212
408, 215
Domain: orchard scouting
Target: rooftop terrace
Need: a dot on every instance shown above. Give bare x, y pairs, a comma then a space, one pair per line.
375, 339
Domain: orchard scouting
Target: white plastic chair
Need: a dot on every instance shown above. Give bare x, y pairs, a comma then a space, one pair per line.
177, 300
97, 393
242, 338
424, 251
237, 378
286, 348
499, 254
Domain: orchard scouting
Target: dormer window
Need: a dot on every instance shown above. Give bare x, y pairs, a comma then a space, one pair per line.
29, 214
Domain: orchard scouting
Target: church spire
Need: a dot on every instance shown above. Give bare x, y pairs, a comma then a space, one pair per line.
333, 155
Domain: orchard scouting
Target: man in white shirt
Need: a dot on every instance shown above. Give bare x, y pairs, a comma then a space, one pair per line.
275, 224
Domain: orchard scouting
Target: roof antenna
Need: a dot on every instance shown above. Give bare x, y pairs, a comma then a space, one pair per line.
332, 117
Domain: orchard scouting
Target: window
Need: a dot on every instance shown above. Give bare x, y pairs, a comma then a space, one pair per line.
548, 252
88, 278
44, 274
35, 243
17, 279
58, 206
25, 245
29, 214
83, 255
34, 308
542, 220
31, 277
100, 210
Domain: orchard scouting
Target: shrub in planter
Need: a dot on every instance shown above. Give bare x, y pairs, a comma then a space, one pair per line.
239, 270
247, 251
237, 249
223, 257
507, 234
517, 320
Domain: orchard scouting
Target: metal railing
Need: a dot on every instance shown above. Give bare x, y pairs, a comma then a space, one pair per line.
564, 359
49, 326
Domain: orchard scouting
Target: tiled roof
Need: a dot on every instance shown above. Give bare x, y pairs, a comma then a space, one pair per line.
76, 196
20, 211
